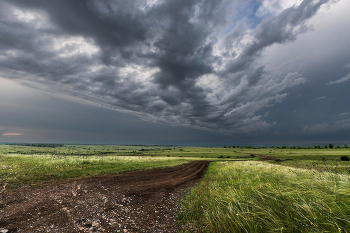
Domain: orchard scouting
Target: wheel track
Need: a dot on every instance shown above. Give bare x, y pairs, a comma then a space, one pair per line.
83, 205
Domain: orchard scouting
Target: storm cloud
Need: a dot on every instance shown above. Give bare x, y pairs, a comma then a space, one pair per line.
196, 63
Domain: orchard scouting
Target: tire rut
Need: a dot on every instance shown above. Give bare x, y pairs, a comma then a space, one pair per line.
141, 201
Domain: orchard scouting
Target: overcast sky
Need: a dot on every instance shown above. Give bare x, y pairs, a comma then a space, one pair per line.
184, 72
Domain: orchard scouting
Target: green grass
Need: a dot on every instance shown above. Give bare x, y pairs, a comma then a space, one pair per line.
302, 154
86, 150
335, 166
325, 160
262, 197
29, 165
306, 190
19, 170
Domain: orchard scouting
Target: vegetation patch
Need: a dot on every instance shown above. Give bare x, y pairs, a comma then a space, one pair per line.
19, 170
261, 197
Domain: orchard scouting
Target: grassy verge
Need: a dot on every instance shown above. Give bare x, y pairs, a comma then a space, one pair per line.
338, 166
262, 197
19, 170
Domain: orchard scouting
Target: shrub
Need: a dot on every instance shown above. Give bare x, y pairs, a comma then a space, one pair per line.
330, 146
344, 158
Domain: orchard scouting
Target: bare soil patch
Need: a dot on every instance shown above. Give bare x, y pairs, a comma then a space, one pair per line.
142, 201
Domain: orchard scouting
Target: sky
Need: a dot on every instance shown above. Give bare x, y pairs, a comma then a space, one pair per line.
184, 72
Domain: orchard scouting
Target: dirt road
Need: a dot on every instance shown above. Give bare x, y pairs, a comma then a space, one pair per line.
143, 201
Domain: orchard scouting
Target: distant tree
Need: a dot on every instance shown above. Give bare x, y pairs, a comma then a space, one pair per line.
330, 146
345, 145
225, 146
318, 146
233, 146
272, 147
284, 147
338, 146
325, 146
228, 146
237, 146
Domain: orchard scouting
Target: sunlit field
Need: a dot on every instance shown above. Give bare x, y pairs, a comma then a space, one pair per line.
19, 170
327, 160
262, 197
86, 150
246, 189
22, 165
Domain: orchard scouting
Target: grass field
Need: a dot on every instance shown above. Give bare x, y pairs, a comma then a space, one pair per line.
292, 190
31, 165
19, 170
262, 197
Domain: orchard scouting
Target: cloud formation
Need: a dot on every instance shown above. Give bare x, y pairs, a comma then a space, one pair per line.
325, 128
342, 80
186, 62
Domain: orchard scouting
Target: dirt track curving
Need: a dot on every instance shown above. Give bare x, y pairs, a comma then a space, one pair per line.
143, 201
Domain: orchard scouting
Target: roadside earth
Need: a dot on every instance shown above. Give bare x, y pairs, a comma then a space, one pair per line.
142, 201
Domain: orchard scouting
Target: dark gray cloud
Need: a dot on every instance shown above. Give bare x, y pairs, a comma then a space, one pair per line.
171, 61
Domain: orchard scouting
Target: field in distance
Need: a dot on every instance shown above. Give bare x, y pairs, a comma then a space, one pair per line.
31, 163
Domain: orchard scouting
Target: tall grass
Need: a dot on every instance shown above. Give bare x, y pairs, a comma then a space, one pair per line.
261, 197
18, 170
